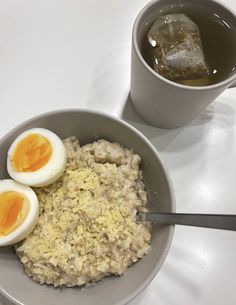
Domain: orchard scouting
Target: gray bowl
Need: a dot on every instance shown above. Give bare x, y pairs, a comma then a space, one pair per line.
89, 126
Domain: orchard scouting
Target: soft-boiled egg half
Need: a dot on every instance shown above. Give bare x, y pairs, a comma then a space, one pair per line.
37, 157
18, 211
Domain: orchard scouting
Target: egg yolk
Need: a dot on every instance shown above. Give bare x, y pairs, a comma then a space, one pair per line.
14, 208
31, 153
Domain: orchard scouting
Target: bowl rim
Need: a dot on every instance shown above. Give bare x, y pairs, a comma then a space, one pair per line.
158, 265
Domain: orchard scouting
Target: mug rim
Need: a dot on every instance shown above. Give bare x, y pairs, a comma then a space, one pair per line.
136, 48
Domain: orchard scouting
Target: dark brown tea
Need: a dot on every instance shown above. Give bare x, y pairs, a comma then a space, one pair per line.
218, 42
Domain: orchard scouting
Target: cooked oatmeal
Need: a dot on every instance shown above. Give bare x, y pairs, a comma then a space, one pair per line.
87, 228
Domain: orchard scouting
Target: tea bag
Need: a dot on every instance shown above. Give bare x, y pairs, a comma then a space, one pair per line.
177, 51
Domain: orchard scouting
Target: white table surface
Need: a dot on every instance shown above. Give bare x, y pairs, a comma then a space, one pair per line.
71, 53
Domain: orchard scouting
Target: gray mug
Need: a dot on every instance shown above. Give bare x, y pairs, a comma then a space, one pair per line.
159, 101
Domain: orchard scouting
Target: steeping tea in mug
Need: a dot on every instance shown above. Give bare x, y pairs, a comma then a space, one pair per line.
190, 45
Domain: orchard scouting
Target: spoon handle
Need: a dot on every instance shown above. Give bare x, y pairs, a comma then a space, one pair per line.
214, 221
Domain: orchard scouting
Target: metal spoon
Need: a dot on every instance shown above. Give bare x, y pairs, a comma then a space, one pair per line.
214, 221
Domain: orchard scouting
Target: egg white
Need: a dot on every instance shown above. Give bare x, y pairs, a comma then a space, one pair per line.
51, 171
31, 219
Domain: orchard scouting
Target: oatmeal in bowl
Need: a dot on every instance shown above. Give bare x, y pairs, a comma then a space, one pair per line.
87, 225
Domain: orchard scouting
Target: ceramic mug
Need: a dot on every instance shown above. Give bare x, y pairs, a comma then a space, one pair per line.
159, 101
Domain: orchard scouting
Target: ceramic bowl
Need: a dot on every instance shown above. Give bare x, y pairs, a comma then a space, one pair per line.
88, 126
